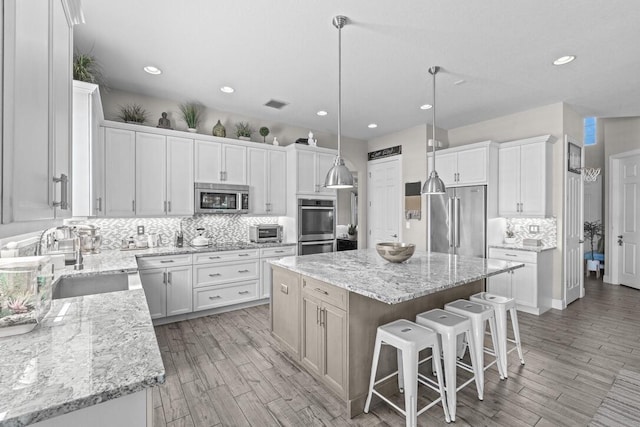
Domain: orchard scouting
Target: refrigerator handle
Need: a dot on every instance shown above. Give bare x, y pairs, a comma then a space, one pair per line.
456, 212
452, 220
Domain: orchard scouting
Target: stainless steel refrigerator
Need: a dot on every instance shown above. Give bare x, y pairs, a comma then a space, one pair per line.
459, 221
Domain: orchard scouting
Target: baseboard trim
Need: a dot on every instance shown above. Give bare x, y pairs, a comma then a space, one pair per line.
218, 310
558, 304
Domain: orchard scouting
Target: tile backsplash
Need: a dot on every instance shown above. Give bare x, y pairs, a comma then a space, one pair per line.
222, 228
547, 229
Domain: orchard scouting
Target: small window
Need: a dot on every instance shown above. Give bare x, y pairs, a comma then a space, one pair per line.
590, 131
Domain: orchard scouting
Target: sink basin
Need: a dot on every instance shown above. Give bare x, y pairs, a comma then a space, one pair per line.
90, 285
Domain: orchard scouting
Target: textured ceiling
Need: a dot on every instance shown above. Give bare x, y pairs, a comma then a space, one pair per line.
287, 50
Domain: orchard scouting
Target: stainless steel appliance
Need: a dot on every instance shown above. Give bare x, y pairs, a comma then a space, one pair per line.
459, 221
316, 226
221, 198
90, 240
263, 233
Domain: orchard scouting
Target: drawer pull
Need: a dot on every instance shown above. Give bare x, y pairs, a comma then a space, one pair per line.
243, 254
215, 274
243, 271
215, 297
321, 291
214, 257
166, 261
510, 255
279, 252
243, 292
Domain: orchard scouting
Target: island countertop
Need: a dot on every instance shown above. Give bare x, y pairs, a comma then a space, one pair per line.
366, 273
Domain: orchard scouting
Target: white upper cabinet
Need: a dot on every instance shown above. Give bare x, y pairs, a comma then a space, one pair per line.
310, 166
151, 174
464, 165
267, 179
217, 162
179, 176
36, 74
120, 175
525, 177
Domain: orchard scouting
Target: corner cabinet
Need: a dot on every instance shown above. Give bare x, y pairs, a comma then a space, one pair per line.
530, 285
310, 166
167, 284
267, 179
525, 177
36, 113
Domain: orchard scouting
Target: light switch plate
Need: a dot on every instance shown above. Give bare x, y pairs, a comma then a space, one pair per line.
534, 229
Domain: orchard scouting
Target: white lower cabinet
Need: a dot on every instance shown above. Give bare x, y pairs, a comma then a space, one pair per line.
266, 255
531, 285
167, 284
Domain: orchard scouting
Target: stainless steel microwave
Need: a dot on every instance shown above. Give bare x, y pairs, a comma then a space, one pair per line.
221, 198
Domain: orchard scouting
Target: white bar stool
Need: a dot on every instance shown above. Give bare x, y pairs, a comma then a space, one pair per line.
480, 314
448, 326
409, 339
501, 306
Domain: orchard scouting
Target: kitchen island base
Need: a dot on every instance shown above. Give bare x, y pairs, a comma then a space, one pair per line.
331, 332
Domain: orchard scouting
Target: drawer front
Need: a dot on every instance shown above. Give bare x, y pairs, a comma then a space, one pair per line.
163, 261
513, 255
278, 252
224, 256
331, 294
219, 296
215, 274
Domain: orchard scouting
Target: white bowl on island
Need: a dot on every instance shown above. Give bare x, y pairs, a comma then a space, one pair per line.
395, 251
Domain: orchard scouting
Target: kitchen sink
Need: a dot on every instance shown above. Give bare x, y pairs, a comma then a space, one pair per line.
90, 285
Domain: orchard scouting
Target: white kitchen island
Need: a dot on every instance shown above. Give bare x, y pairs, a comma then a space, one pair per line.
326, 307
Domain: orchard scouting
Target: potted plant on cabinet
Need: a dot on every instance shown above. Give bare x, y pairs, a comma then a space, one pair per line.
243, 131
264, 131
191, 113
87, 69
133, 113
592, 230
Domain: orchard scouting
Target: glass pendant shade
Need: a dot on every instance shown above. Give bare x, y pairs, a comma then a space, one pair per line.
339, 176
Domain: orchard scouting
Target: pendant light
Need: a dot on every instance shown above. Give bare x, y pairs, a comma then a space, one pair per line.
339, 176
433, 185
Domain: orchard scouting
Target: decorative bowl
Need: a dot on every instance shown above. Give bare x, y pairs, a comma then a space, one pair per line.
395, 251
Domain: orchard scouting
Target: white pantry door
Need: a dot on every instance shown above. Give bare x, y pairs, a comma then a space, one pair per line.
573, 232
629, 237
385, 200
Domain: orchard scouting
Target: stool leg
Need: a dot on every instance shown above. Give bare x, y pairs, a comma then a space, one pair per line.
478, 369
374, 369
400, 372
501, 323
449, 353
410, 367
494, 342
516, 333
443, 398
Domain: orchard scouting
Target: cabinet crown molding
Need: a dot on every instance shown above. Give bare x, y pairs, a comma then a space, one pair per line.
465, 147
549, 139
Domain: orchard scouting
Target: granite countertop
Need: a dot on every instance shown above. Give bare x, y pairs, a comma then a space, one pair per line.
103, 347
521, 247
366, 273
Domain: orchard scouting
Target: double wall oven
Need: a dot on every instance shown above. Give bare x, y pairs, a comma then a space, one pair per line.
316, 226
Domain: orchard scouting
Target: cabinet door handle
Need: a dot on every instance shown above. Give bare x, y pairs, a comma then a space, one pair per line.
215, 274
221, 176
243, 271
133, 206
243, 292
279, 252
323, 315
64, 191
215, 297
169, 206
243, 254
99, 203
166, 261
169, 277
214, 257
321, 291
165, 207
510, 255
164, 277
317, 314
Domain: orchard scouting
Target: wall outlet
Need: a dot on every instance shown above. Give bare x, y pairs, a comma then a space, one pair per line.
534, 229
140, 229
284, 288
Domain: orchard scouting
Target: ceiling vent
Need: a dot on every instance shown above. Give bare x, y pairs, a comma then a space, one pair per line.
276, 104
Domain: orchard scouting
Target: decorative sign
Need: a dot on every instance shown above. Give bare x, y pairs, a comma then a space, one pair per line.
574, 157
385, 152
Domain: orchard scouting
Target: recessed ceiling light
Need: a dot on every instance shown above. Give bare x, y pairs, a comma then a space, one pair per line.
322, 113
372, 126
564, 60
227, 89
426, 107
152, 70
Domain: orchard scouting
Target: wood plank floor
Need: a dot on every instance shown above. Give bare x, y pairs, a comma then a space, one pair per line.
227, 370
